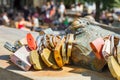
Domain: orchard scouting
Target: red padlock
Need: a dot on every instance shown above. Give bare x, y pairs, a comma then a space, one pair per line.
31, 42
97, 46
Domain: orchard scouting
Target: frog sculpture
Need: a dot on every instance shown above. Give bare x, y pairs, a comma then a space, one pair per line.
86, 30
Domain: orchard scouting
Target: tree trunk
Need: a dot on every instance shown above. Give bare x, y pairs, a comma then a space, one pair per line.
97, 15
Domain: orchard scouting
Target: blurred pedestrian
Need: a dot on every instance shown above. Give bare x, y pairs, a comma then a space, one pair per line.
21, 24
26, 12
43, 8
61, 11
52, 9
5, 18
35, 23
48, 7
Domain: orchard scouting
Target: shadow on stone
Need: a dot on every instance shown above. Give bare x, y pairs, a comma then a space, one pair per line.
4, 57
92, 74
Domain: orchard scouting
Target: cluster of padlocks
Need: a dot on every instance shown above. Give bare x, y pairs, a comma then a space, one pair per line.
108, 48
45, 51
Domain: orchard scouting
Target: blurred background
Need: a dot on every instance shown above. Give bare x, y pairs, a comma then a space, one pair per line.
56, 14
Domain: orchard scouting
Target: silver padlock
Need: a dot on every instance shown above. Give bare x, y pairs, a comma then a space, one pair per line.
10, 47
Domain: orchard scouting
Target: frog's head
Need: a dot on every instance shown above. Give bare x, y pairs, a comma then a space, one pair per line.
79, 23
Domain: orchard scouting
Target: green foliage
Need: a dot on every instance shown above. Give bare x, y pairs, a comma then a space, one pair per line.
107, 4
117, 3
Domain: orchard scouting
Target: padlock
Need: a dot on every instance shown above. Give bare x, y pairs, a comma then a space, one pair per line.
10, 47
36, 60
21, 58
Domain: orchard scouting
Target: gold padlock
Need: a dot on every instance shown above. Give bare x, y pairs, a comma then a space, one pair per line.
114, 67
57, 53
36, 60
